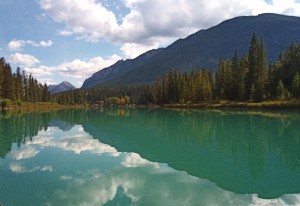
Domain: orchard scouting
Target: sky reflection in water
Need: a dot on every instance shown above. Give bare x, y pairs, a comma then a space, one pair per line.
70, 167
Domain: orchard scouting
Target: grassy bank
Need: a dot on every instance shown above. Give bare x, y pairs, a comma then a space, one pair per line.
295, 104
37, 106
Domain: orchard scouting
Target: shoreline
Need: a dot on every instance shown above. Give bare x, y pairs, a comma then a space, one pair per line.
27, 106
279, 105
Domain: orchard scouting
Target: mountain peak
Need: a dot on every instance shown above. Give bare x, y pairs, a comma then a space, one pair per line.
62, 87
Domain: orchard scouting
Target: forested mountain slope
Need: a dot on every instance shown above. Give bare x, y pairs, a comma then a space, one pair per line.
203, 49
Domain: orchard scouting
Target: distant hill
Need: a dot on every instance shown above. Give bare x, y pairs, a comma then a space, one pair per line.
62, 87
203, 49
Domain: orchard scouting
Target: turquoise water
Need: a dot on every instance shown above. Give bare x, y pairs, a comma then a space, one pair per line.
150, 157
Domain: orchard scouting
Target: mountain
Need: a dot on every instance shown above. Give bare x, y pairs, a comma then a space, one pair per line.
118, 69
62, 87
204, 49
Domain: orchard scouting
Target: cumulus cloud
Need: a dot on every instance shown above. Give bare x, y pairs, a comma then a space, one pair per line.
48, 81
82, 17
78, 143
23, 59
45, 43
65, 33
153, 23
132, 50
17, 45
135, 160
19, 168
26, 153
77, 68
40, 71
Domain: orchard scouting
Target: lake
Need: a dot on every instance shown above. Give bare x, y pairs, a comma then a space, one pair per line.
150, 157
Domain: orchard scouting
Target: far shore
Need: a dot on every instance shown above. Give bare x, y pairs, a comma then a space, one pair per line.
292, 104
279, 105
40, 106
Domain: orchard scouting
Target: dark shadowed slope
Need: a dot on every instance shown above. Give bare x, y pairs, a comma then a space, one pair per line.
118, 69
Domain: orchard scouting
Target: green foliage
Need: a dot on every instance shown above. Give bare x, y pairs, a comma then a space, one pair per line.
19, 103
112, 101
296, 86
281, 91
6, 103
257, 70
19, 86
117, 100
290, 65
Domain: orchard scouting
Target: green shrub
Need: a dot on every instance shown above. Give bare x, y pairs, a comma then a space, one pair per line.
5, 103
112, 101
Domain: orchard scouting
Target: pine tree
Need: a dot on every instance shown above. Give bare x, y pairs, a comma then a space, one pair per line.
220, 80
243, 69
236, 77
45, 94
228, 81
206, 87
252, 93
1, 75
253, 65
281, 91
296, 86
25, 83
7, 83
257, 73
290, 65
18, 85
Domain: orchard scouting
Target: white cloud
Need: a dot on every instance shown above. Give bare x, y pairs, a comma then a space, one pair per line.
288, 7
132, 50
78, 143
78, 69
48, 81
17, 45
82, 17
25, 153
153, 23
135, 160
65, 33
23, 59
46, 43
18, 168
40, 71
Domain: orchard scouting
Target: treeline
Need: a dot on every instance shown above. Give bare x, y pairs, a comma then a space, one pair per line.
20, 87
248, 78
116, 95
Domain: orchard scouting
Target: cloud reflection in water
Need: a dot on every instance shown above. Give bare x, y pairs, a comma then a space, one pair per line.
133, 181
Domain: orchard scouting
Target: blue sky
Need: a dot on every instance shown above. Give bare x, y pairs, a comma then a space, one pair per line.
58, 40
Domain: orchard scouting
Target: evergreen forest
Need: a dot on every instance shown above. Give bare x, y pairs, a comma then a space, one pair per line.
20, 87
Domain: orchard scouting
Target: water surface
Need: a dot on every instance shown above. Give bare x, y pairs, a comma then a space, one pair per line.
150, 157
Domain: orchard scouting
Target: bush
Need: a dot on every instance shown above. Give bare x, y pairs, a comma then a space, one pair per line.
19, 103
112, 101
5, 103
